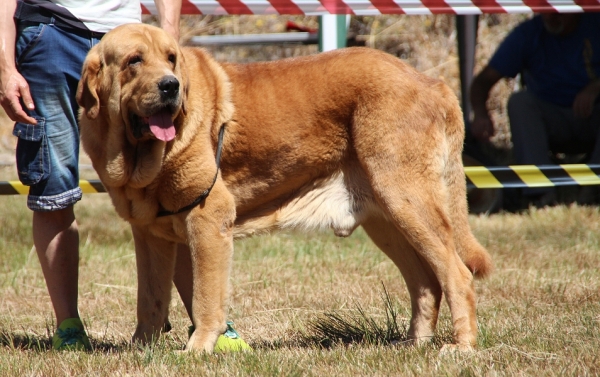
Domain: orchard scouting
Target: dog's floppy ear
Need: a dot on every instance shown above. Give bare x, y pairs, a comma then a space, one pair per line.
87, 90
185, 80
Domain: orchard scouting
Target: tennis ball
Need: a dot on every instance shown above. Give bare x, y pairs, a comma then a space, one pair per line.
230, 341
226, 344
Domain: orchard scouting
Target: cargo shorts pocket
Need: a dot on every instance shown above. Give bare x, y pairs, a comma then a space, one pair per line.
33, 156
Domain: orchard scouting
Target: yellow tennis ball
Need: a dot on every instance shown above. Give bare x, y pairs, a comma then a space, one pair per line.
230, 341
225, 344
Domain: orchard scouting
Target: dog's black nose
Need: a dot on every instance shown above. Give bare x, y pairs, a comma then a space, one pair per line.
168, 86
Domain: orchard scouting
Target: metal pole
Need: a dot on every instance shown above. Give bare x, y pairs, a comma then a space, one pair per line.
466, 28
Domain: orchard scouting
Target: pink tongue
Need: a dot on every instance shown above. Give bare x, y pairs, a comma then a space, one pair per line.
162, 126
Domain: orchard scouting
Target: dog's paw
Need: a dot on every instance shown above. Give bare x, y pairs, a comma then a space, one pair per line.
450, 349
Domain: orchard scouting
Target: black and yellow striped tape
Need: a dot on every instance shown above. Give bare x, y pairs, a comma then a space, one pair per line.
514, 176
481, 177
17, 188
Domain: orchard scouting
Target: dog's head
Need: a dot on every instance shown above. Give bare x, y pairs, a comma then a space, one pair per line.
135, 75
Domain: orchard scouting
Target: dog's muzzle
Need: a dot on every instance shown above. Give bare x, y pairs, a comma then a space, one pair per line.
159, 123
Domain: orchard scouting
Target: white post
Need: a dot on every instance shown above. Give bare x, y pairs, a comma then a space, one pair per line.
332, 31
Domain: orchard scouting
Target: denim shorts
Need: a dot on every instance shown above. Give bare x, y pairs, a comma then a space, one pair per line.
47, 155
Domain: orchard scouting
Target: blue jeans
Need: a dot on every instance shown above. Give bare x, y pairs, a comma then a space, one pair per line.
50, 59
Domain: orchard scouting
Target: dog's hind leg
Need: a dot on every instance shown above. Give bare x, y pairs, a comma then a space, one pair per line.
408, 184
155, 260
418, 212
427, 228
423, 286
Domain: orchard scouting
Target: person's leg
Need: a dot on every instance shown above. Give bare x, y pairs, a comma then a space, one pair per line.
590, 195
593, 128
47, 161
56, 241
528, 131
536, 125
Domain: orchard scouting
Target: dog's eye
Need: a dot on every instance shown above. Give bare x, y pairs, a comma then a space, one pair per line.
134, 60
172, 58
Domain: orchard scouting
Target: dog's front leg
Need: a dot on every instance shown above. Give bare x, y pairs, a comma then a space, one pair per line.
155, 259
210, 238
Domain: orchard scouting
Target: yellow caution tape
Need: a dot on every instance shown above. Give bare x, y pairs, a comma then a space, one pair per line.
515, 176
481, 177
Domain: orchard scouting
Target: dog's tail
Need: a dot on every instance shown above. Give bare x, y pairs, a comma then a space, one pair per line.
472, 253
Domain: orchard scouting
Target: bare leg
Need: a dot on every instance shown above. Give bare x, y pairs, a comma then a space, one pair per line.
56, 240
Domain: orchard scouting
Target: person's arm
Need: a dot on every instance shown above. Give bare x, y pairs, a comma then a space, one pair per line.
13, 86
482, 126
583, 105
169, 12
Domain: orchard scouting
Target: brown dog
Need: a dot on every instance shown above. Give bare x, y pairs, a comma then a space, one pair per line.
335, 140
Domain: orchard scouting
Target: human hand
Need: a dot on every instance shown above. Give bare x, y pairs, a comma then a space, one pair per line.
583, 105
482, 128
13, 87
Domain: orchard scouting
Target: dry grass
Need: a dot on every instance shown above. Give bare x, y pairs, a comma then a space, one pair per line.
538, 314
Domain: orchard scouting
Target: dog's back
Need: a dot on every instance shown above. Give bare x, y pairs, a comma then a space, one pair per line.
305, 130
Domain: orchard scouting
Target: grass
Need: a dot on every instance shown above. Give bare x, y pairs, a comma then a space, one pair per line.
317, 305
332, 328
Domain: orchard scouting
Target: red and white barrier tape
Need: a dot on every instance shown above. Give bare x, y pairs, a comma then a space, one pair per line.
376, 7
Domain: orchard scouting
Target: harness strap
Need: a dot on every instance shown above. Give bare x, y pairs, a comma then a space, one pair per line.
205, 193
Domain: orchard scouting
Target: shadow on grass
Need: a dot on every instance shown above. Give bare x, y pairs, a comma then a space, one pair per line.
347, 328
25, 342
328, 330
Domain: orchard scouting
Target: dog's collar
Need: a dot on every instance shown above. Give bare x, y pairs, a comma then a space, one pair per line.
205, 193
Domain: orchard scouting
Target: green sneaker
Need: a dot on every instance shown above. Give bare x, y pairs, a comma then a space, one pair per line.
230, 341
71, 336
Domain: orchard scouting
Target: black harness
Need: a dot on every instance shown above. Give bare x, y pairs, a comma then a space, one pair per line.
205, 193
